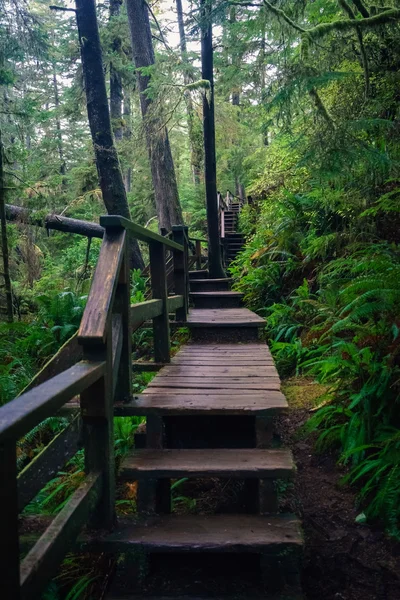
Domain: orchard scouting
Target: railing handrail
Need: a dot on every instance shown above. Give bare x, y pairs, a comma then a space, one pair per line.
139, 232
103, 375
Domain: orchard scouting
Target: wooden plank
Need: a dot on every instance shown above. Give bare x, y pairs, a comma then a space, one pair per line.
200, 533
196, 388
220, 362
144, 311
122, 378
117, 339
269, 403
41, 563
180, 269
48, 462
161, 334
221, 371
208, 463
22, 414
175, 302
102, 292
9, 540
140, 233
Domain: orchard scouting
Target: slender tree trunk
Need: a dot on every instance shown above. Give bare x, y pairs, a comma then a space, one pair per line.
115, 79
108, 167
127, 136
4, 242
262, 80
169, 211
58, 122
207, 63
196, 150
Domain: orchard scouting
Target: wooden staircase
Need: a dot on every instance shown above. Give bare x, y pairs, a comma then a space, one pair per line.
232, 240
209, 415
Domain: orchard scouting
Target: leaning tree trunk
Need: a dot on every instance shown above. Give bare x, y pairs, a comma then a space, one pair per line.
108, 167
169, 211
196, 150
115, 78
207, 63
4, 242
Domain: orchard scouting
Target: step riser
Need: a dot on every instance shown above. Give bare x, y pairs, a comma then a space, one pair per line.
215, 302
209, 286
225, 334
198, 275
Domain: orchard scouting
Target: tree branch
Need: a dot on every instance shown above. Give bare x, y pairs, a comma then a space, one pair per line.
361, 8
347, 8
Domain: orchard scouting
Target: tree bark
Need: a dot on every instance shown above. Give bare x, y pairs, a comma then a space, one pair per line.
127, 134
169, 211
207, 63
108, 167
116, 95
58, 122
196, 150
4, 242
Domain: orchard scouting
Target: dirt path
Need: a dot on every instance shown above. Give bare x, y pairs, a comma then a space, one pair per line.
343, 560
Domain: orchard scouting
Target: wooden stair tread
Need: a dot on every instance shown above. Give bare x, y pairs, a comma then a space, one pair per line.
253, 462
264, 403
219, 294
223, 317
200, 533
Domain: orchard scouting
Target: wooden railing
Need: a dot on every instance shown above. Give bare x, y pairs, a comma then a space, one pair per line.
101, 376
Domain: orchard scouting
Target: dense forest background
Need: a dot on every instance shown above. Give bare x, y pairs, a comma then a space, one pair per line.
307, 97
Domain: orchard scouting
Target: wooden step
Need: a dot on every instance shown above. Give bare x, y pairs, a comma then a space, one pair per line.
248, 463
254, 403
224, 299
224, 317
199, 274
209, 285
199, 533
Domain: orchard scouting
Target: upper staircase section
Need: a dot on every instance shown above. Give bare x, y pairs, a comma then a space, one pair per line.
231, 239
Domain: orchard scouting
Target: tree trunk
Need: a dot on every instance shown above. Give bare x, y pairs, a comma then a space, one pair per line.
58, 122
108, 167
127, 135
4, 242
262, 81
196, 150
214, 252
115, 79
169, 211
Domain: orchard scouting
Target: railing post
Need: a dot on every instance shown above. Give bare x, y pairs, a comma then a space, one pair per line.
122, 306
198, 255
98, 430
159, 290
9, 541
180, 236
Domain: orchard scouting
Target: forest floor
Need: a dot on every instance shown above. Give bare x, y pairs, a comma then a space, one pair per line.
343, 560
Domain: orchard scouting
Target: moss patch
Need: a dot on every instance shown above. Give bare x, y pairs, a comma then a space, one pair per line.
302, 392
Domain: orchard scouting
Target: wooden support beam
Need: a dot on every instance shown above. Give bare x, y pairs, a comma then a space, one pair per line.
180, 233
9, 540
161, 332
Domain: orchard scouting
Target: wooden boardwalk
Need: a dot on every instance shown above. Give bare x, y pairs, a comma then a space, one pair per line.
229, 383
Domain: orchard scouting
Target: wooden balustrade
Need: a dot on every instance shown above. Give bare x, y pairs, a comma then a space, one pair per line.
100, 379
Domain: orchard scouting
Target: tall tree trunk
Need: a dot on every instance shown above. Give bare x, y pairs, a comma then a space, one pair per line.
196, 150
127, 136
262, 80
108, 167
4, 241
115, 79
169, 211
207, 63
239, 187
58, 121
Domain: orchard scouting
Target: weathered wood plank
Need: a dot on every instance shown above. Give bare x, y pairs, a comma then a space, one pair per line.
48, 462
122, 376
144, 311
42, 561
175, 302
102, 292
196, 389
140, 233
22, 414
200, 533
268, 404
117, 339
9, 540
218, 371
208, 463
220, 362
161, 333
203, 384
